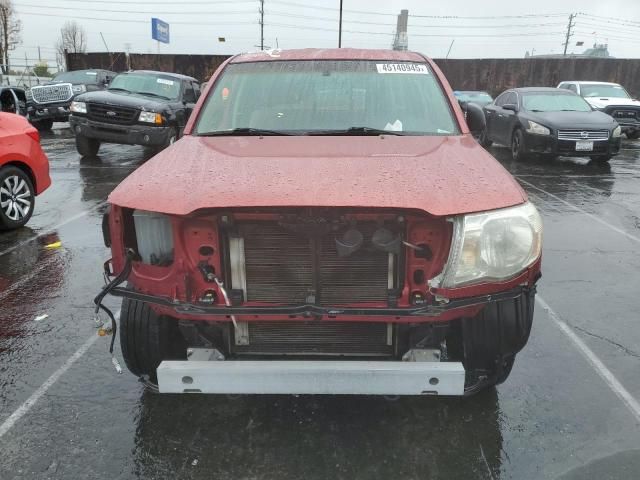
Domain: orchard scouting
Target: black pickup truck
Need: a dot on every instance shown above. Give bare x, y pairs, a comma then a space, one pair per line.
50, 102
140, 107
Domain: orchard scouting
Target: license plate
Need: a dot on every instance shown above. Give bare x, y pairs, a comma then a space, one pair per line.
584, 146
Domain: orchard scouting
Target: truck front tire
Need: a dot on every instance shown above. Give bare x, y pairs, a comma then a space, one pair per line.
633, 134
487, 344
87, 147
146, 338
43, 125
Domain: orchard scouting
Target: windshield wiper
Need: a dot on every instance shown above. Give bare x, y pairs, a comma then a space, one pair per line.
119, 89
151, 94
248, 131
356, 131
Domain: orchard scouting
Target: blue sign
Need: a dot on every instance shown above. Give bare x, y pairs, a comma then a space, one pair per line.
159, 30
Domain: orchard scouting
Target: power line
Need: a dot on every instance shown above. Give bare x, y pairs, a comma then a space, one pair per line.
127, 20
154, 3
615, 37
611, 19
611, 26
155, 12
444, 17
536, 34
607, 29
413, 25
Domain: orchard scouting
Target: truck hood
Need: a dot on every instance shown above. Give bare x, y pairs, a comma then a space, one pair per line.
123, 99
598, 102
441, 175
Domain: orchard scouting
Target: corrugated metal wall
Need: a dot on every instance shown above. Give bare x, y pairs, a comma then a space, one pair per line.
497, 75
492, 75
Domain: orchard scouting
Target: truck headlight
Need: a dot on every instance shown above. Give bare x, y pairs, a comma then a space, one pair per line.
617, 132
493, 246
79, 88
150, 117
154, 235
78, 107
537, 129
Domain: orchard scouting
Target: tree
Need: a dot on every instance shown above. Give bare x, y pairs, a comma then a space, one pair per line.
42, 70
73, 39
9, 32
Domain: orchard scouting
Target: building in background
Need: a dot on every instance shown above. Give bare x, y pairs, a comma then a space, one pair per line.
599, 50
401, 40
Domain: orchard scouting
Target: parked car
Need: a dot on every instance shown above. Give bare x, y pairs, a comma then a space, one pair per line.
328, 209
50, 102
140, 107
13, 100
612, 99
550, 122
479, 98
24, 170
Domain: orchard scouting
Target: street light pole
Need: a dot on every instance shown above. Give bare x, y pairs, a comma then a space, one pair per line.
340, 27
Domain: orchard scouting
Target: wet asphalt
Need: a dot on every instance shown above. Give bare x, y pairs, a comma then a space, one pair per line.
554, 418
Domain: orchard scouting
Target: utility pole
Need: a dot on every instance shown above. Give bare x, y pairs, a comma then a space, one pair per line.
261, 24
569, 34
107, 47
340, 27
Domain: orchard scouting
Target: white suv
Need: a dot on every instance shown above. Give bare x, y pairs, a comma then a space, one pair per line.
612, 99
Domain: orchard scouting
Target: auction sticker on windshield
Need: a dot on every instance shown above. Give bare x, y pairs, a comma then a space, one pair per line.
164, 81
402, 68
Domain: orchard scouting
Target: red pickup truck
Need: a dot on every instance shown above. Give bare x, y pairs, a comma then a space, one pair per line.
327, 225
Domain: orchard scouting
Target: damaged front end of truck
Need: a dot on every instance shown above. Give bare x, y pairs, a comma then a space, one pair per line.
220, 296
343, 235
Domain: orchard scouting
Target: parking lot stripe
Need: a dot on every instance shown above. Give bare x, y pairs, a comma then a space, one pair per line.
590, 215
23, 409
604, 373
42, 389
52, 229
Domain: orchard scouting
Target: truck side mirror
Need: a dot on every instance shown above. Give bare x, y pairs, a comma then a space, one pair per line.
474, 115
189, 96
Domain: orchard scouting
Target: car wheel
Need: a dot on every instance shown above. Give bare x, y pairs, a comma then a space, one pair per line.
146, 338
633, 134
172, 137
484, 139
517, 145
43, 125
600, 158
87, 147
17, 198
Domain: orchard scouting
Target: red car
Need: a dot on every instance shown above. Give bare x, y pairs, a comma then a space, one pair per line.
327, 225
24, 170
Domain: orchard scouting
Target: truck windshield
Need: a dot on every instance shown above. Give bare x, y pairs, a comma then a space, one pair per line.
554, 102
78, 77
602, 90
331, 97
146, 84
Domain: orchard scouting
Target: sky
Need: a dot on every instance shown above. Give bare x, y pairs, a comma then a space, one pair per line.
474, 29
